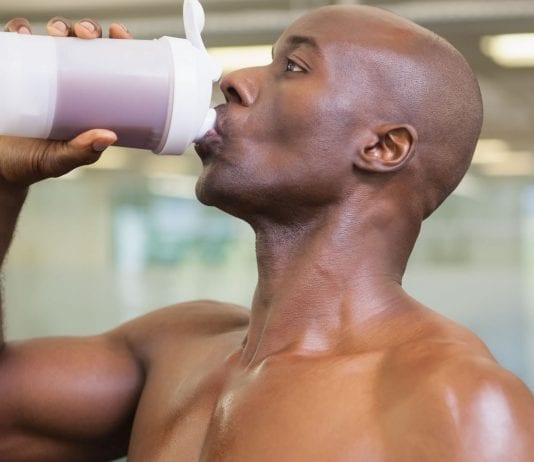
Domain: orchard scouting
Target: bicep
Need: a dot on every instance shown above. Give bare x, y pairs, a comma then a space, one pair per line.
58, 396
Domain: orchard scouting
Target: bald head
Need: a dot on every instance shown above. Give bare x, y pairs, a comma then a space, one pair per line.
405, 74
352, 93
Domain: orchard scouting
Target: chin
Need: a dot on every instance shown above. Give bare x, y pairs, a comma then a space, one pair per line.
214, 190
238, 195
205, 192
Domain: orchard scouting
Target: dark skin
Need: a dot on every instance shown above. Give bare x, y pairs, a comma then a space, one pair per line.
334, 361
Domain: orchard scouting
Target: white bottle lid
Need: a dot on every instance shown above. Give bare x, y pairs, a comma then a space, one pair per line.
194, 21
28, 85
191, 117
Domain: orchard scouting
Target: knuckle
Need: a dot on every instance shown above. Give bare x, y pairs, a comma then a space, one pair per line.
61, 158
39, 161
27, 161
61, 161
46, 160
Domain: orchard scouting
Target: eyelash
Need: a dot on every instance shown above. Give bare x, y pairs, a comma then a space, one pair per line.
291, 64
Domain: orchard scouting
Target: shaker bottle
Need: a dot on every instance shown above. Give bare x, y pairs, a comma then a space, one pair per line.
154, 94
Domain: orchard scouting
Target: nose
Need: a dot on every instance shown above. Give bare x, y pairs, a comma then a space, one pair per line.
242, 87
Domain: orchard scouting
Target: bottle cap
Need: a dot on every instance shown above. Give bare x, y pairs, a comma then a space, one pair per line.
194, 73
194, 22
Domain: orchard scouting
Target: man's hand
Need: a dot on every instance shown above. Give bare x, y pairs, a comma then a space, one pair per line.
26, 161
59, 26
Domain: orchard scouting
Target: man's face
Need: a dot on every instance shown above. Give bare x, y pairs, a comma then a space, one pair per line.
286, 134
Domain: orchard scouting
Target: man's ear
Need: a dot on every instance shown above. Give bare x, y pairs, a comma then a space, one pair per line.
387, 148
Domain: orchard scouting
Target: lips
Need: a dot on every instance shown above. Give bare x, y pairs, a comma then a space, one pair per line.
221, 111
212, 132
218, 130
213, 139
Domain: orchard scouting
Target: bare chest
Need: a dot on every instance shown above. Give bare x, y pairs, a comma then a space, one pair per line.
309, 411
278, 411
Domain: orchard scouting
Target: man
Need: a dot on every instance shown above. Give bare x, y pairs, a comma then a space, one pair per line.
334, 153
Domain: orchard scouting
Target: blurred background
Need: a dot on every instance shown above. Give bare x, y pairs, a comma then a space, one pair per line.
126, 236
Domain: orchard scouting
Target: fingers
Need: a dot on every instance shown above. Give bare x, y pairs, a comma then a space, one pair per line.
118, 31
59, 26
62, 157
96, 140
25, 161
85, 149
87, 29
20, 25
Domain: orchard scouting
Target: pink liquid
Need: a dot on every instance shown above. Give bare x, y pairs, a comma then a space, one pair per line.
124, 87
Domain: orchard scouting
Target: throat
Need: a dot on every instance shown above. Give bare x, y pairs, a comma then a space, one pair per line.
321, 288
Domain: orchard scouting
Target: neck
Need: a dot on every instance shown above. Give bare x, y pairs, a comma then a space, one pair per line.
324, 284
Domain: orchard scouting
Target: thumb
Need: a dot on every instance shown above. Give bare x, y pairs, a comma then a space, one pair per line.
85, 149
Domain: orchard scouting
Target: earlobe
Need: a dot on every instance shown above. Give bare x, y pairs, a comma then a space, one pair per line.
388, 149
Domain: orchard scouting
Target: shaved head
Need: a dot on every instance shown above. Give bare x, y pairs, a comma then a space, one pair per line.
406, 74
357, 102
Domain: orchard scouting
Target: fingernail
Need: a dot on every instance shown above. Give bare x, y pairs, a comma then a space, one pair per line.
60, 26
24, 30
100, 146
88, 25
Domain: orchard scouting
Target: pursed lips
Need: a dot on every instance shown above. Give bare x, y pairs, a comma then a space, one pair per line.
218, 130
214, 137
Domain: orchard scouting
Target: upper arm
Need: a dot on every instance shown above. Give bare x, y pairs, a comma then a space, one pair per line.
75, 398
182, 328
67, 398
495, 414
467, 409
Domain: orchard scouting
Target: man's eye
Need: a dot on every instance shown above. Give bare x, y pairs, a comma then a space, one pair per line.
292, 66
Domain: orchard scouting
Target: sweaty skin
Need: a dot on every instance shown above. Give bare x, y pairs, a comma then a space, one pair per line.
334, 153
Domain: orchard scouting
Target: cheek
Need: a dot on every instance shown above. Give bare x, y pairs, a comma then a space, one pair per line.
311, 120
314, 171
297, 137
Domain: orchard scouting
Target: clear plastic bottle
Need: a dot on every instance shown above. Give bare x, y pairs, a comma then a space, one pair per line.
155, 94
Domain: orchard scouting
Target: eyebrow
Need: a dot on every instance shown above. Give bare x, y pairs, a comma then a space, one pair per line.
295, 41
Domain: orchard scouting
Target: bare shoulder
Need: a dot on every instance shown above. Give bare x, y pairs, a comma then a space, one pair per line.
205, 315
182, 324
451, 391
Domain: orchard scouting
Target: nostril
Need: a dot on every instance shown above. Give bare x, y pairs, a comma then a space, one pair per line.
240, 87
232, 95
